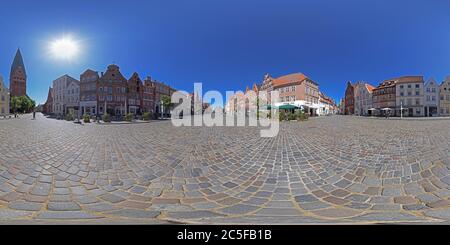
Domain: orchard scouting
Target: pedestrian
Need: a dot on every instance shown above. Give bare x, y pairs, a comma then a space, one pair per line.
34, 114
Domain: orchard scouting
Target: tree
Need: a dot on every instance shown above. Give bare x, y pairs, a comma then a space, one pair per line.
22, 104
14, 104
166, 102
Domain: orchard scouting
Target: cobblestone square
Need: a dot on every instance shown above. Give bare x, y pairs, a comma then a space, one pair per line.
337, 169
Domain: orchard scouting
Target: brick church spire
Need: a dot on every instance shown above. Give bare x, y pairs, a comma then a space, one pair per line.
18, 76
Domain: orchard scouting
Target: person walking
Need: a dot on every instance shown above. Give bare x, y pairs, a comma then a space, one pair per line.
34, 114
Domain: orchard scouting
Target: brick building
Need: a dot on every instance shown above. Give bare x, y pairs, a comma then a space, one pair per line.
112, 92
384, 97
88, 92
135, 92
47, 108
148, 96
350, 99
18, 76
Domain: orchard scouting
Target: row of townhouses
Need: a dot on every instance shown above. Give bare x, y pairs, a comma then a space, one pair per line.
296, 91
403, 96
108, 92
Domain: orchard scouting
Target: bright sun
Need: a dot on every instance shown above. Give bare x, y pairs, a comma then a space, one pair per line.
64, 48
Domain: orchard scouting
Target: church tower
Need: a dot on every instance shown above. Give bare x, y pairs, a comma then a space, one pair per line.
18, 76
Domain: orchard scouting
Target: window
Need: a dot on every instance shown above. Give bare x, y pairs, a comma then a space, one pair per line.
409, 93
402, 94
401, 86
428, 98
417, 85
293, 89
409, 86
417, 101
417, 93
433, 98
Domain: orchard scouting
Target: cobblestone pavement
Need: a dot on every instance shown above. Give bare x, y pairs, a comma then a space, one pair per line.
326, 170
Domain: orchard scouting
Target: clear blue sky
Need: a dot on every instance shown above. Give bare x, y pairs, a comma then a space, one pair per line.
230, 44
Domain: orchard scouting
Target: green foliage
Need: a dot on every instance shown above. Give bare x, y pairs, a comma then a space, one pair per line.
302, 116
291, 116
70, 117
166, 101
129, 117
282, 116
22, 104
106, 117
146, 116
86, 118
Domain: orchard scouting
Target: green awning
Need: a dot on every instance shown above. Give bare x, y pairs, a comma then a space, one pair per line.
268, 107
287, 107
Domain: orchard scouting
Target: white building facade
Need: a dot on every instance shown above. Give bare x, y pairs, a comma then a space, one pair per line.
72, 96
61, 96
410, 96
431, 98
363, 99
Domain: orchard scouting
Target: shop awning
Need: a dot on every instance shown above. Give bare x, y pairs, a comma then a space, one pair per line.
288, 107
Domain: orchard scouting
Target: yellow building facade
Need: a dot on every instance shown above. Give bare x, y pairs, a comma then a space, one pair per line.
4, 98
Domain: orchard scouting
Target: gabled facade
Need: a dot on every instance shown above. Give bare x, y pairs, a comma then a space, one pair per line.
47, 108
112, 92
72, 97
148, 96
363, 99
61, 96
444, 97
135, 93
431, 98
350, 99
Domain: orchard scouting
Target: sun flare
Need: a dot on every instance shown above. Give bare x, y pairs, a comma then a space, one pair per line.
65, 48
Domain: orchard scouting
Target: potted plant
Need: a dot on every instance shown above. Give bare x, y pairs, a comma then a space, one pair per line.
106, 118
146, 116
86, 118
129, 117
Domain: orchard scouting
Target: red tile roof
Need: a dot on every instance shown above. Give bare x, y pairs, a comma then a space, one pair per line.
369, 87
289, 79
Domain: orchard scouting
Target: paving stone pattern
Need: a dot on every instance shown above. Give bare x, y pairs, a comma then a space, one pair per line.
326, 170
